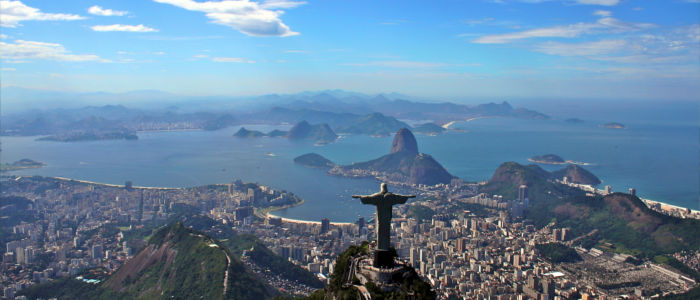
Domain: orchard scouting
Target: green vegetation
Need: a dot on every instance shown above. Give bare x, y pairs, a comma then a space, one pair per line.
558, 253
411, 283
428, 128
621, 219
173, 264
576, 174
313, 160
256, 250
68, 288
179, 260
263, 257
420, 212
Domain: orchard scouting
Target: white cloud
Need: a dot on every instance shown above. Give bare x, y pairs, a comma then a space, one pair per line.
584, 2
8, 69
602, 25
599, 2
159, 53
281, 4
106, 12
581, 49
30, 50
200, 56
14, 12
296, 51
676, 46
125, 28
3, 36
399, 64
231, 60
251, 18
602, 13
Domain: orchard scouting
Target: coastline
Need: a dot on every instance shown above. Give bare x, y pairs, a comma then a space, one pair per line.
663, 205
112, 185
18, 168
169, 130
268, 213
572, 162
448, 124
297, 221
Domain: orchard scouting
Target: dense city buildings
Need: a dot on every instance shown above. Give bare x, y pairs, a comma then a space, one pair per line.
467, 245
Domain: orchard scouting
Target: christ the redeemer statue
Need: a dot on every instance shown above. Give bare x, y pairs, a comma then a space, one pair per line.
384, 200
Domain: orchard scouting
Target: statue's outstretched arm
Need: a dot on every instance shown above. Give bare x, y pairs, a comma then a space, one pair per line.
367, 199
400, 199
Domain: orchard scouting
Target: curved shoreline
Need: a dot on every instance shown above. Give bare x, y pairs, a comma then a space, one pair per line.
297, 221
269, 214
572, 162
113, 185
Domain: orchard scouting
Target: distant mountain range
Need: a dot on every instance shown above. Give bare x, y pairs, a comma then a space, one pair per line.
344, 112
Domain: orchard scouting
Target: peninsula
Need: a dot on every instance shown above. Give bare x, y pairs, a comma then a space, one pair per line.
80, 136
21, 164
320, 133
403, 164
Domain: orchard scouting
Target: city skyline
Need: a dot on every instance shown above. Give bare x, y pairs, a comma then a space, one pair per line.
515, 49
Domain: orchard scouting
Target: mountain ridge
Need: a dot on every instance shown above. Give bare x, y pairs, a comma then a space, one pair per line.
403, 164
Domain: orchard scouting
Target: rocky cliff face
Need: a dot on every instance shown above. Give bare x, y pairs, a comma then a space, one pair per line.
403, 164
404, 141
577, 174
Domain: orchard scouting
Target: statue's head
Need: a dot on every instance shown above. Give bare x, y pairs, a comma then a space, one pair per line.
383, 187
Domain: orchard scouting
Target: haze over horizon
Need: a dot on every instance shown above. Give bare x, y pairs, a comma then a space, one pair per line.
574, 49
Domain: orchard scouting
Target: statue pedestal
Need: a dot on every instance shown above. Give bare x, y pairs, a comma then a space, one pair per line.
386, 278
383, 259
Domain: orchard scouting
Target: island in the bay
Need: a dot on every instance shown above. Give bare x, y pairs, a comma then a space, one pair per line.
320, 133
21, 164
553, 159
404, 165
314, 160
614, 125
550, 159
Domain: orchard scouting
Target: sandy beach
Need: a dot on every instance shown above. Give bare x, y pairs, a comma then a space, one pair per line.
288, 220
115, 185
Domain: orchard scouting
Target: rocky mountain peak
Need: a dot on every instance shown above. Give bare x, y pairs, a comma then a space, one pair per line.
404, 141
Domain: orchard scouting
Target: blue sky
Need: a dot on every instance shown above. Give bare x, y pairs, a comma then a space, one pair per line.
603, 49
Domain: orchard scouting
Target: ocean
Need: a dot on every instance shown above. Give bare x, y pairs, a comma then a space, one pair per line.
658, 157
